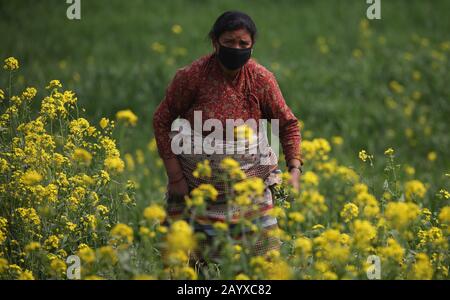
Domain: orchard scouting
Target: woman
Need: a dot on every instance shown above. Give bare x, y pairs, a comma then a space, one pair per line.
226, 84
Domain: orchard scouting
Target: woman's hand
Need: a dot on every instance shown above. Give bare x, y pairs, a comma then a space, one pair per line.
294, 166
177, 182
178, 188
295, 178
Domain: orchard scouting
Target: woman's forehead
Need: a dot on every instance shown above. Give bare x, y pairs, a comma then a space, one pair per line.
236, 34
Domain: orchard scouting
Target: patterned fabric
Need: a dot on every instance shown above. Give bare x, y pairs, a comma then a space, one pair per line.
220, 211
202, 86
217, 213
260, 165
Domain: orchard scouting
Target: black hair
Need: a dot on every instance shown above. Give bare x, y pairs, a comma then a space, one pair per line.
230, 21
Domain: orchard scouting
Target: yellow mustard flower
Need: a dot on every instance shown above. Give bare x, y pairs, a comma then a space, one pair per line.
11, 64
155, 212
127, 116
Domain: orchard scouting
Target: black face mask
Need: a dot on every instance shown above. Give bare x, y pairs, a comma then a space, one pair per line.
232, 58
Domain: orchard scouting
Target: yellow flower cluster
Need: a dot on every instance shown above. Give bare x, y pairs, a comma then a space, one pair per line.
127, 116
232, 168
349, 212
203, 170
310, 178
52, 175
392, 251
82, 156
155, 213
272, 267
317, 149
244, 133
364, 156
363, 234
400, 214
414, 189
121, 235
11, 64
201, 194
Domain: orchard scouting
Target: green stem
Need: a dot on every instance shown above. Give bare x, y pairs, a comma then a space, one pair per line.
10, 84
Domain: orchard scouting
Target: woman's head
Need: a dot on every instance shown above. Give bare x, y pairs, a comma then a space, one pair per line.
233, 36
233, 29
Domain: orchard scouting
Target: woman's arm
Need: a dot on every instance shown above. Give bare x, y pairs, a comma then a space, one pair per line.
178, 98
274, 107
177, 183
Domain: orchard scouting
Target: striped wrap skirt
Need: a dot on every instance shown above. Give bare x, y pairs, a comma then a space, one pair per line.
262, 165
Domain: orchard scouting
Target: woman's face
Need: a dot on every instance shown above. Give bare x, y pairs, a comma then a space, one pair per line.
239, 39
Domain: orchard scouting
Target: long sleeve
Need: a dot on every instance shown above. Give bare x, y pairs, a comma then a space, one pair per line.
274, 107
178, 98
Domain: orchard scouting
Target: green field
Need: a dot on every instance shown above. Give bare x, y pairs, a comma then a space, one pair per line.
107, 58
377, 84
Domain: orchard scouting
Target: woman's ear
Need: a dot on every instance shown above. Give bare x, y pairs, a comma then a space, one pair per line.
215, 46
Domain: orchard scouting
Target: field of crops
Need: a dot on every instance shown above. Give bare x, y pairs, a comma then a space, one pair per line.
80, 173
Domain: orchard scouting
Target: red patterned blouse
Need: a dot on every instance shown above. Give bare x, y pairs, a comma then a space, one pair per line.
202, 86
